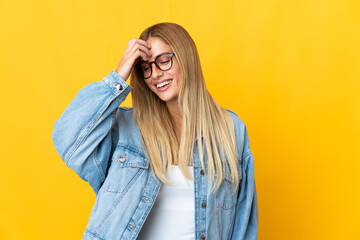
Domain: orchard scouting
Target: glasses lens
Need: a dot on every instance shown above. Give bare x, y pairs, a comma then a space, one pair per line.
164, 62
146, 68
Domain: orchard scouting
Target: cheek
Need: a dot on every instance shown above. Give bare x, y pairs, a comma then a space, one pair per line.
177, 73
148, 84
178, 76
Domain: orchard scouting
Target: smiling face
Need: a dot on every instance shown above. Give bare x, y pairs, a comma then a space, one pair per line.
165, 84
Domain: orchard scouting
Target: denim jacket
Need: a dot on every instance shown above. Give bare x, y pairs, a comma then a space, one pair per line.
101, 143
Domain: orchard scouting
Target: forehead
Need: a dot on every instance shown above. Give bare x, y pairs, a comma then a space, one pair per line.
158, 46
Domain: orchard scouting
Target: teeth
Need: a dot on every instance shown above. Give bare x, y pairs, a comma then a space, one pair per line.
163, 83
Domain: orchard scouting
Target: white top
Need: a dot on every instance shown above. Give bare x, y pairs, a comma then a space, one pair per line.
173, 215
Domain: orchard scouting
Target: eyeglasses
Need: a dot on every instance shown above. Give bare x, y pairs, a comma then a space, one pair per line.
163, 62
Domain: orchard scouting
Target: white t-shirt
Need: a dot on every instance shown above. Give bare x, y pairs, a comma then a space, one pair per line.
173, 215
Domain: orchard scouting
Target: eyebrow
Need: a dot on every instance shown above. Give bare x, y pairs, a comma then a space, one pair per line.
157, 56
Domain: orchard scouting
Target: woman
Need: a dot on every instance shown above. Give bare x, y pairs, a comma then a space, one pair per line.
175, 134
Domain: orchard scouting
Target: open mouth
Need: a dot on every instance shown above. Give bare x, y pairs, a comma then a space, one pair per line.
163, 84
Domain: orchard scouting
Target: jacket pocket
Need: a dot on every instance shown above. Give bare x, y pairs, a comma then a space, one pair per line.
127, 165
225, 196
119, 194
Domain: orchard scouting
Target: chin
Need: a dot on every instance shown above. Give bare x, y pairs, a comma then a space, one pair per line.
167, 99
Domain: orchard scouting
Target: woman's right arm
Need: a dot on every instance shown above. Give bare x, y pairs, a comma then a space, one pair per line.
82, 136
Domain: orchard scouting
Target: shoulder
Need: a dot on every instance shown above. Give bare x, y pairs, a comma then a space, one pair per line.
239, 125
241, 134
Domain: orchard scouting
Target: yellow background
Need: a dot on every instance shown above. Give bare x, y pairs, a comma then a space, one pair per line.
289, 69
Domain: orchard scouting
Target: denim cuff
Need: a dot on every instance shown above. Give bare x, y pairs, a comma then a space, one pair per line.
117, 85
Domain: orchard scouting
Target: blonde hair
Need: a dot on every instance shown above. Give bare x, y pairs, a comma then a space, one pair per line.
203, 118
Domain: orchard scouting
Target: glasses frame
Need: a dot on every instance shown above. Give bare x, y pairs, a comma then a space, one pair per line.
158, 67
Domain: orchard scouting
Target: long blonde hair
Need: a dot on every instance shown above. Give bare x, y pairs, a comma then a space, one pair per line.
203, 118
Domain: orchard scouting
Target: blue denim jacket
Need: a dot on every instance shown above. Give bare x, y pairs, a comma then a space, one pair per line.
101, 143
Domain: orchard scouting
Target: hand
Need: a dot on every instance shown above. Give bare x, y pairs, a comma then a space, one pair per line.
135, 49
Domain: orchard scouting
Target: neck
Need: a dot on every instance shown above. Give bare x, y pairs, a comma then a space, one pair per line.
176, 114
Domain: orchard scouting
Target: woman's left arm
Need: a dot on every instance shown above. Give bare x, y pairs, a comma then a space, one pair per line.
246, 217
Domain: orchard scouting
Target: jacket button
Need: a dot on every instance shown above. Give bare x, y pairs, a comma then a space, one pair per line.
203, 204
122, 159
202, 236
202, 172
118, 86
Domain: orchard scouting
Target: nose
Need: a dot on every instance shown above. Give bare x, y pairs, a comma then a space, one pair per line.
156, 73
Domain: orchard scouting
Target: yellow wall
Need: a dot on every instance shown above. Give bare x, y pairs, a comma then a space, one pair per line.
290, 69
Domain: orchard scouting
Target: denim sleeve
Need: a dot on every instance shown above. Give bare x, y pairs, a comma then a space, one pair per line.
246, 218
82, 135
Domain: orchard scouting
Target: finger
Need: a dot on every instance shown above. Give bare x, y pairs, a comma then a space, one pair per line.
142, 56
141, 48
145, 57
144, 43
141, 42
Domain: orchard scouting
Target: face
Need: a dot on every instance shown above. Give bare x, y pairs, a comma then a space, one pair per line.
165, 84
